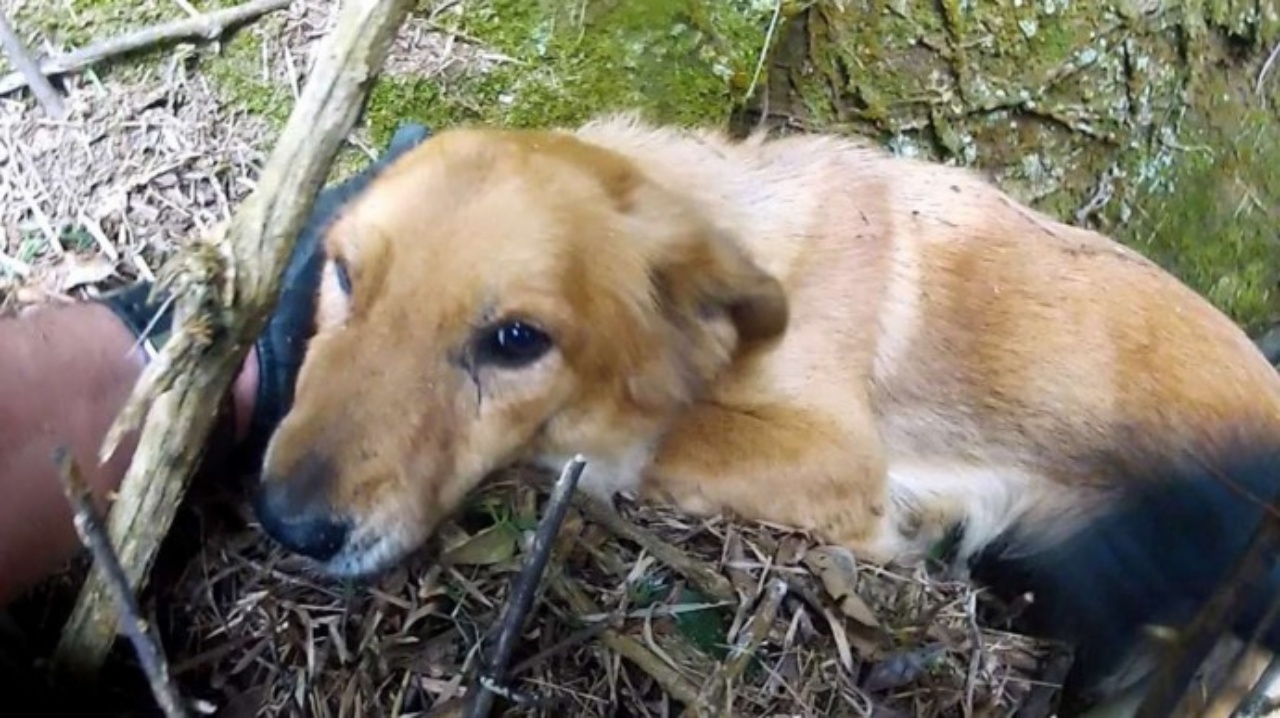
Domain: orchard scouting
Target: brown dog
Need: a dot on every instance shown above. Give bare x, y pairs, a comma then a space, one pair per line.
806, 331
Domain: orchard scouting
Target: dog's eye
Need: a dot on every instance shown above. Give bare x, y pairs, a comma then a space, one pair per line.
344, 277
512, 344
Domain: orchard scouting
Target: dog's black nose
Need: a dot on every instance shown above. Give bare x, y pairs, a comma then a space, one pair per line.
295, 513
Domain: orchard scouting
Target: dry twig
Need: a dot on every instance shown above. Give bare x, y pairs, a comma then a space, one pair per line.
94, 536
207, 26
223, 310
495, 668
48, 97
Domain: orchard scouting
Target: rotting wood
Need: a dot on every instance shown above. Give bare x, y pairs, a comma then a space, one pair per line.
208, 26
232, 289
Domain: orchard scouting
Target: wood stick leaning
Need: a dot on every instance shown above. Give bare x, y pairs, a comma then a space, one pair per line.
676, 685
698, 573
231, 287
715, 698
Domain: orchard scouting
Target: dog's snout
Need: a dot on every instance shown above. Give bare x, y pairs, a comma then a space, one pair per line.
295, 511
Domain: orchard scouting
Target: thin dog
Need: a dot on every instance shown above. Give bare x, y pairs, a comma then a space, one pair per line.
804, 330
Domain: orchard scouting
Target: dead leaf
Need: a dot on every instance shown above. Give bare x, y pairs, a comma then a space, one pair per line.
838, 570
490, 546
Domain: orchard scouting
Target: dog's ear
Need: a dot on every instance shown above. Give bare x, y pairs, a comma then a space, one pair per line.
705, 275
716, 302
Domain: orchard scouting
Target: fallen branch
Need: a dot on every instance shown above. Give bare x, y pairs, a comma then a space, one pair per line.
229, 290
94, 536
702, 576
717, 688
27, 69
495, 668
208, 26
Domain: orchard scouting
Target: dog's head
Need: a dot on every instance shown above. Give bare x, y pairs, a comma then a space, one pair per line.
496, 297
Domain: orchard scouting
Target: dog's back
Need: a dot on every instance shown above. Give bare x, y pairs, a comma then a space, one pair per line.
805, 331
1074, 409
1044, 362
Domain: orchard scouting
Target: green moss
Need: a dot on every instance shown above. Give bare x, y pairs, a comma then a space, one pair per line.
1078, 108
1062, 103
679, 61
1212, 219
236, 72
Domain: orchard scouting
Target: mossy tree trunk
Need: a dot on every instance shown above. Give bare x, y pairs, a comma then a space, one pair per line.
1142, 118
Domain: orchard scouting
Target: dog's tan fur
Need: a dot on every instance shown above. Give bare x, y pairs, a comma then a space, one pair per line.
805, 331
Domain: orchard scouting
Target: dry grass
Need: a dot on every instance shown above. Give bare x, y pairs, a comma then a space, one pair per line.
115, 190
258, 623
145, 163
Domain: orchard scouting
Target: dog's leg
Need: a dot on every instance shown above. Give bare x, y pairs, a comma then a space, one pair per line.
795, 467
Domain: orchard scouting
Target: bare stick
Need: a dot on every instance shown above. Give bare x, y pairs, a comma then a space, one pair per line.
94, 536
206, 27
495, 668
1266, 67
230, 290
48, 97
1175, 672
716, 689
